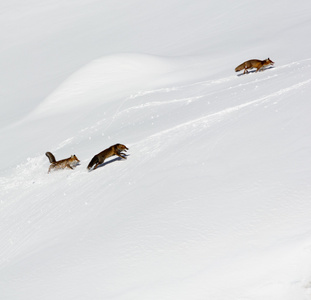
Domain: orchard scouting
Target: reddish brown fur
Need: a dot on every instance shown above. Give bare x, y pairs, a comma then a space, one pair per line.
254, 63
99, 158
62, 164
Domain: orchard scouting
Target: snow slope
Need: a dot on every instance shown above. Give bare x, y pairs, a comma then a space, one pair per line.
213, 200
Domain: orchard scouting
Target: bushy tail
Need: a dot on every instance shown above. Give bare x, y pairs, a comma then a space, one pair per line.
51, 157
92, 162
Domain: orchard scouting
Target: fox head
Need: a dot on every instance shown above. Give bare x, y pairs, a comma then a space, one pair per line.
121, 147
269, 61
74, 158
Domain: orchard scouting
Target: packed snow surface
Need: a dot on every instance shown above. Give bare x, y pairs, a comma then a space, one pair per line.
213, 200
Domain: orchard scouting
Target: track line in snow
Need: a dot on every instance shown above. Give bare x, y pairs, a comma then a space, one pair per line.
188, 100
207, 120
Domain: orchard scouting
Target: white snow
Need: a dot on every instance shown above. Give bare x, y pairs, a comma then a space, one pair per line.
213, 201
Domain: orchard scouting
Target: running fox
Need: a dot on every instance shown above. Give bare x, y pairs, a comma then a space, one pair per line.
62, 164
254, 63
100, 157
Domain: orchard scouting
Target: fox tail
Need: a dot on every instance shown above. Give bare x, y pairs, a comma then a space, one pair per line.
51, 157
92, 162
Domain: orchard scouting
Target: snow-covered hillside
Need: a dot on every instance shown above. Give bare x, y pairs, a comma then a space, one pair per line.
213, 201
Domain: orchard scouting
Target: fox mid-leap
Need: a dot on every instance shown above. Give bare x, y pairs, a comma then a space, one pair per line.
99, 158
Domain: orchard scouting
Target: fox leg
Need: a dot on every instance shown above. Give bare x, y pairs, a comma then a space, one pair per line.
120, 155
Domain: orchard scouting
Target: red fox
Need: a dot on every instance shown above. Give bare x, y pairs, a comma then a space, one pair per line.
113, 150
62, 164
254, 63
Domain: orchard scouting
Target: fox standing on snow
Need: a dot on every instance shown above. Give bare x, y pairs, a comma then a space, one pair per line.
113, 150
254, 63
62, 164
